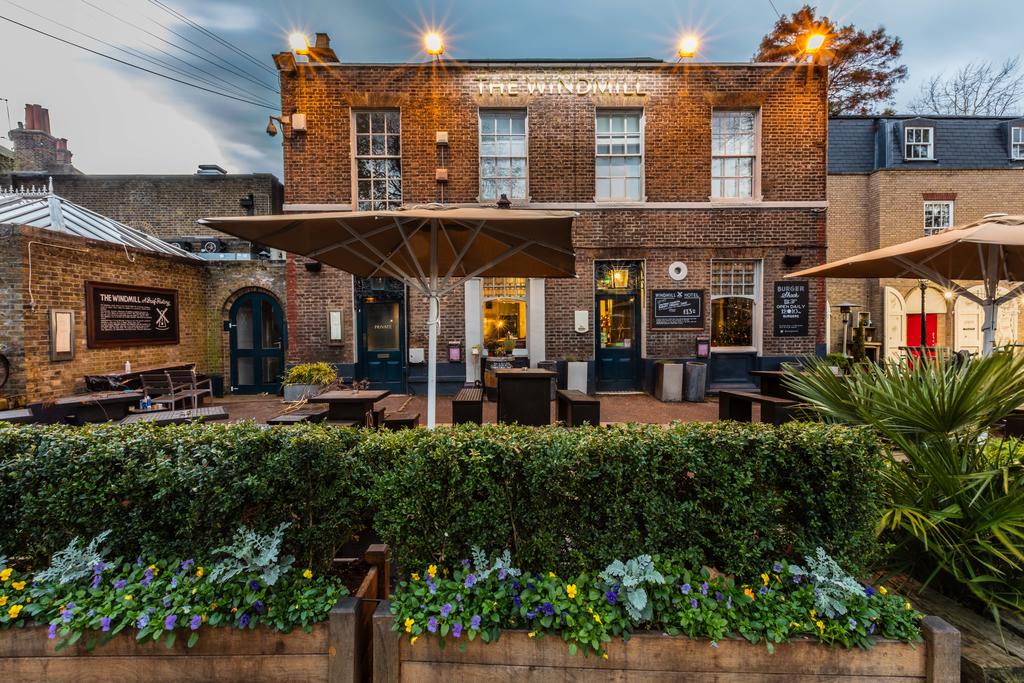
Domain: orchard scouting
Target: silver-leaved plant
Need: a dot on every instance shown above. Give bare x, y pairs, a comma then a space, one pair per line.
832, 585
74, 562
253, 552
501, 564
630, 578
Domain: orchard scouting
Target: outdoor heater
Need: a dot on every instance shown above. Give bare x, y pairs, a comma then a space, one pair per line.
845, 309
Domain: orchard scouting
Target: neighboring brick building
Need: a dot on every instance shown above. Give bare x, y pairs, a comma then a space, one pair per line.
896, 178
718, 167
35, 148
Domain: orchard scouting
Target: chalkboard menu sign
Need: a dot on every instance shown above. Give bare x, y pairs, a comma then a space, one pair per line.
123, 315
791, 308
677, 309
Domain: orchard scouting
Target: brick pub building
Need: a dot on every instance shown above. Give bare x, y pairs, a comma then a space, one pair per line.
708, 179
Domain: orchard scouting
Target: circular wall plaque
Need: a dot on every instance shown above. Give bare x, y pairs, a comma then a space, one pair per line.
677, 271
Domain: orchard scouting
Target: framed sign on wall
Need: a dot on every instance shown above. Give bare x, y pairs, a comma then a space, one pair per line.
677, 309
62, 334
126, 315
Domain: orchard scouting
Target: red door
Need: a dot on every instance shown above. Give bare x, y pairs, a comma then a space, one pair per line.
931, 324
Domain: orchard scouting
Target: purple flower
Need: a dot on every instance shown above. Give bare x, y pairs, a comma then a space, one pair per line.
138, 561
530, 614
470, 581
517, 586
869, 591
174, 582
104, 624
195, 622
243, 620
457, 629
474, 623
167, 601
67, 616
718, 596
186, 564
853, 623
729, 602
432, 587
685, 588
259, 607
432, 624
502, 573
547, 608
96, 578
530, 586
704, 588
465, 564
446, 609
52, 633
148, 578
764, 590
796, 579
871, 629
612, 596
777, 568
693, 603
517, 601
254, 585
120, 584
142, 621
170, 621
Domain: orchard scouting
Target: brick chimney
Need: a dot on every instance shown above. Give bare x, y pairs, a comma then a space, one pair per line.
35, 149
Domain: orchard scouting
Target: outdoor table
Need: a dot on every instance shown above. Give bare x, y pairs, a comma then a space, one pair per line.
771, 383
98, 406
350, 405
524, 396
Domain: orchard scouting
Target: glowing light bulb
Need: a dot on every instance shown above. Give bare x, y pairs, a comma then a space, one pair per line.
815, 42
433, 43
297, 42
688, 46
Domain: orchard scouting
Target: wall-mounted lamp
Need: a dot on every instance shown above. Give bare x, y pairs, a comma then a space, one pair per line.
688, 46
289, 123
313, 266
791, 260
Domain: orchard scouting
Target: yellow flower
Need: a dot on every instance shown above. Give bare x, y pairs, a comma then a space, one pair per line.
6, 574
795, 624
154, 568
906, 605
18, 585
821, 625
764, 577
432, 571
308, 574
193, 591
408, 624
213, 606
597, 618
3, 600
14, 611
749, 593
813, 613
570, 590
444, 572
883, 590
234, 609
532, 634
415, 576
128, 597
199, 572
604, 655
551, 575
412, 641
203, 618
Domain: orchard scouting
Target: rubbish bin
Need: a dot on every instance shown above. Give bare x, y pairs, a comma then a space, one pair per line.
696, 379
553, 367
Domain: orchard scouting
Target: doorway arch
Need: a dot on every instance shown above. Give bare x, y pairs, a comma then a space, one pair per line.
895, 322
257, 344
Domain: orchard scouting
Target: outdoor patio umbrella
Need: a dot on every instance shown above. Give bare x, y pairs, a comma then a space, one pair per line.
990, 250
432, 249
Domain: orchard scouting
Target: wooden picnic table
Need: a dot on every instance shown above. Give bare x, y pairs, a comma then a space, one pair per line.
524, 395
171, 417
345, 404
98, 406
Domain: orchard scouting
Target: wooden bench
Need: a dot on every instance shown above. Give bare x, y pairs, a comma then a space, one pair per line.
468, 406
396, 421
575, 409
315, 414
738, 406
171, 417
23, 416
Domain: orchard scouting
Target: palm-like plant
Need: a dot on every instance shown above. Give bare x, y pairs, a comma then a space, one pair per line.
956, 497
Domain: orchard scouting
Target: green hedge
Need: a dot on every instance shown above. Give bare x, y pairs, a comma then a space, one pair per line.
733, 496
179, 490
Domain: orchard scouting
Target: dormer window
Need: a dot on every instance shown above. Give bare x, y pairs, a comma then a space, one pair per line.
919, 143
1017, 142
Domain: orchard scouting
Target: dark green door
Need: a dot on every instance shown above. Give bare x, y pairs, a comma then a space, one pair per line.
618, 305
382, 344
258, 343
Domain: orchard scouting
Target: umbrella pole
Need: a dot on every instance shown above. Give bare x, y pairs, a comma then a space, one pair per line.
433, 323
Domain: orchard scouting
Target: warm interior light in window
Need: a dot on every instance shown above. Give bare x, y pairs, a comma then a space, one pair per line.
297, 42
620, 278
433, 43
815, 42
688, 46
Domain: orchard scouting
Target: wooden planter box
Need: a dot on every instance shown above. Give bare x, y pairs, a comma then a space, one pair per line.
660, 658
333, 652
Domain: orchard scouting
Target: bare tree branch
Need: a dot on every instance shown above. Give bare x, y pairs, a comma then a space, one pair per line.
975, 89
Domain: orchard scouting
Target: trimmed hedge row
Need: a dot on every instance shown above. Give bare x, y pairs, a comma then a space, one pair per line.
733, 496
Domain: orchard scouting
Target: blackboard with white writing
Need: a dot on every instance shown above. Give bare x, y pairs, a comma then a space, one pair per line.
125, 315
677, 309
792, 308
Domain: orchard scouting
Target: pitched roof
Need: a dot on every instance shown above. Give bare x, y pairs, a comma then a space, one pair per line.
862, 144
40, 208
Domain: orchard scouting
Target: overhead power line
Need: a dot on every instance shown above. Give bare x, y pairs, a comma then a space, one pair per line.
223, 41
136, 66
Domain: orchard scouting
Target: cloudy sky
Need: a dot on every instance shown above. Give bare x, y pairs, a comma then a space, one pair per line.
120, 120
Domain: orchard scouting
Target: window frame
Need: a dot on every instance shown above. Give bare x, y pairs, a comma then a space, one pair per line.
642, 123
930, 144
757, 315
524, 299
755, 167
355, 156
1017, 146
924, 215
481, 111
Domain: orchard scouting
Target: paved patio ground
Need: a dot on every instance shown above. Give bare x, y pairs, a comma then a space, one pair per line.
614, 408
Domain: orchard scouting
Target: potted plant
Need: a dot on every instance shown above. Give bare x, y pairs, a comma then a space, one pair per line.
838, 362
306, 380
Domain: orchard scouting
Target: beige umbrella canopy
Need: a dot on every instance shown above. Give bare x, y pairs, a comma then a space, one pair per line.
432, 249
990, 250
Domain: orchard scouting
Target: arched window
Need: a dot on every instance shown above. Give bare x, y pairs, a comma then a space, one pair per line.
504, 303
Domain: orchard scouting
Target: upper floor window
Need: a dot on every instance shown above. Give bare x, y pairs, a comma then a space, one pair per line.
937, 216
733, 153
1017, 142
919, 143
619, 156
502, 155
378, 160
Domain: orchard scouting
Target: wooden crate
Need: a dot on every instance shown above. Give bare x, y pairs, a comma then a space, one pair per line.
658, 658
335, 651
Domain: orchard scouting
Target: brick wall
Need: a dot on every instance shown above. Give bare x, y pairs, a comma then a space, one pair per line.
12, 312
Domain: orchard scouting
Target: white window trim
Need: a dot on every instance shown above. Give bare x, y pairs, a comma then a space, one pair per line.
1017, 149
931, 143
924, 215
479, 152
643, 155
525, 298
354, 189
755, 181
757, 333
